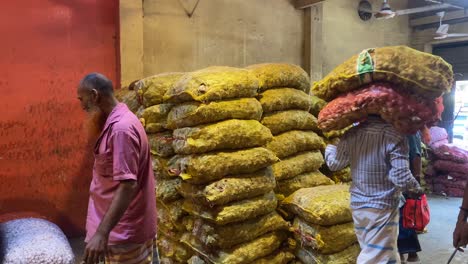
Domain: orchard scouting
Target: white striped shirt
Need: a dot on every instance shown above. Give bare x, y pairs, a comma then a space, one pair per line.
378, 156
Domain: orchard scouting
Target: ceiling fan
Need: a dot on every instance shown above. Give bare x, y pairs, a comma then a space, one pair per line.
442, 31
387, 12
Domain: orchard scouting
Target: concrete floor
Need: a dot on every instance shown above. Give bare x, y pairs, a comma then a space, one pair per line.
436, 244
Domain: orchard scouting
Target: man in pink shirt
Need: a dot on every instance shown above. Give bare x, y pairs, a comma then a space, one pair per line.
121, 221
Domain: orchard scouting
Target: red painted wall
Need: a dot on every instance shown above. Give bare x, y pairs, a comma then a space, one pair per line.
46, 46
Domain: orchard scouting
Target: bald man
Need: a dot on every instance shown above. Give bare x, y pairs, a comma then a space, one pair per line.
121, 221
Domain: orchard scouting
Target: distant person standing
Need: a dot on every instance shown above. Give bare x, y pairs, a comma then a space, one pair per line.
121, 221
408, 242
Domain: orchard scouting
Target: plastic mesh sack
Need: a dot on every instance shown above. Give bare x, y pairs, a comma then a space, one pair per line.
151, 90
174, 250
283, 121
316, 105
279, 257
169, 215
193, 113
225, 135
230, 189
292, 142
166, 190
284, 99
298, 164
128, 97
450, 166
322, 205
325, 240
227, 236
241, 254
200, 169
406, 113
348, 256
273, 75
306, 180
154, 118
235, 211
343, 175
412, 70
213, 84
451, 152
160, 167
34, 241
161, 144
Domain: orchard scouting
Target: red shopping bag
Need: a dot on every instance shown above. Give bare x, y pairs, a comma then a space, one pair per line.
416, 213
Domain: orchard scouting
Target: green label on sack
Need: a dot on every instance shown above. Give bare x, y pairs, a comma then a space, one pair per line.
365, 66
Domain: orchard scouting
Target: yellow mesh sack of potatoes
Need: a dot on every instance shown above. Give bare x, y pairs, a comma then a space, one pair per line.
316, 105
292, 142
151, 89
233, 212
322, 205
231, 188
161, 144
244, 253
306, 180
213, 84
194, 113
128, 97
279, 257
225, 135
283, 121
273, 75
298, 164
161, 167
348, 256
284, 99
335, 133
421, 73
204, 168
324, 239
282, 256
169, 248
154, 118
227, 236
166, 190
170, 215
343, 175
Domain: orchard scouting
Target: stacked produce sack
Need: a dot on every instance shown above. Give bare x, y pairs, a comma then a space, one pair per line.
226, 177
341, 176
447, 172
153, 115
400, 84
286, 106
323, 226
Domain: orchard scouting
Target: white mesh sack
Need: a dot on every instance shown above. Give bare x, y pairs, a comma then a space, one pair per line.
34, 241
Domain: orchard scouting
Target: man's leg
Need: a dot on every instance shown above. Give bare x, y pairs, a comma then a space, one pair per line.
377, 232
130, 254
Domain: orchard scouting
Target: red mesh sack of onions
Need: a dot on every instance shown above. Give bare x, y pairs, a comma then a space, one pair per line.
451, 152
406, 112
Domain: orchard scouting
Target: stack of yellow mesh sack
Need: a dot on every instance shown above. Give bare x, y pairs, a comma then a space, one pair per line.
286, 104
323, 227
225, 172
153, 114
344, 175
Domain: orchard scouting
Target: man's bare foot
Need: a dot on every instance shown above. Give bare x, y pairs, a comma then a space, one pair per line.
413, 257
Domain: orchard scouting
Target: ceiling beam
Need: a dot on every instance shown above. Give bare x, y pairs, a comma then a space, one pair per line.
301, 4
454, 15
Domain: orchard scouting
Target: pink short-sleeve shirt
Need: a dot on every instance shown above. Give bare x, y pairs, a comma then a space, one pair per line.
122, 153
